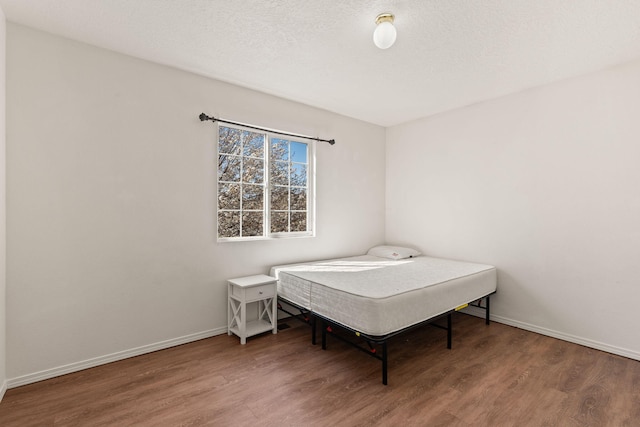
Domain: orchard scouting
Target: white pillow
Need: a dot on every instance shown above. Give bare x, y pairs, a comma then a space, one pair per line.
392, 252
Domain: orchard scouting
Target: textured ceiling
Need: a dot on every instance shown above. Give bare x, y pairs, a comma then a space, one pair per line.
449, 53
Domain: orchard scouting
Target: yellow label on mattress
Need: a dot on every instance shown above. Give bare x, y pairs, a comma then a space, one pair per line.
462, 306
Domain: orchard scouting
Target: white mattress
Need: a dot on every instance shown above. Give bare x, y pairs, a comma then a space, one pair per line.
378, 296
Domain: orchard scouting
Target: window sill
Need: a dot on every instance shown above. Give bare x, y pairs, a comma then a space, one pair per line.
262, 238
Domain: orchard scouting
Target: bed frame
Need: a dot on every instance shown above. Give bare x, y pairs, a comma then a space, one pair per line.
369, 344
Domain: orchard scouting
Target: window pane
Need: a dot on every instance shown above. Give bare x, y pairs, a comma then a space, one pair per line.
279, 150
298, 152
298, 199
254, 145
228, 196
299, 175
298, 221
229, 140
289, 179
228, 224
280, 198
252, 197
280, 173
279, 222
252, 224
228, 168
252, 170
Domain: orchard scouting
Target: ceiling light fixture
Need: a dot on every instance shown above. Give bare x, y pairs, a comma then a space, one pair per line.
385, 34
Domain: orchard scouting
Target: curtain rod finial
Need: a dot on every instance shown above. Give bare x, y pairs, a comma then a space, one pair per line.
204, 117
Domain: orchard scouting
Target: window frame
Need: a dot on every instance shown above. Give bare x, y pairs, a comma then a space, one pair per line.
268, 186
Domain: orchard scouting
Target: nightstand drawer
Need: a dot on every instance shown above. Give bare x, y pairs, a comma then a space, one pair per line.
260, 292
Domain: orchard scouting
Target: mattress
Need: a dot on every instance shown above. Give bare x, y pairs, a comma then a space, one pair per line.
377, 296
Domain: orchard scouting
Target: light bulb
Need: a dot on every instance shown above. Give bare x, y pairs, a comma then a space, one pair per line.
384, 35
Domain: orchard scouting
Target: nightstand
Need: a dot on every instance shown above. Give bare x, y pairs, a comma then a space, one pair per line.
257, 290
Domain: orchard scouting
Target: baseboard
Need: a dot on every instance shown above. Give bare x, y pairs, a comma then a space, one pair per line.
3, 389
556, 334
97, 361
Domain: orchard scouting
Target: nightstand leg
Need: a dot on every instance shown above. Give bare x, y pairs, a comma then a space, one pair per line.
243, 323
229, 310
274, 314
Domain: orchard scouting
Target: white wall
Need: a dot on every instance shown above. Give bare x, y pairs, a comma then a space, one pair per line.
3, 216
544, 184
111, 208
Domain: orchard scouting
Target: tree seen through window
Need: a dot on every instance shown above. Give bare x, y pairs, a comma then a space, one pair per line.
252, 202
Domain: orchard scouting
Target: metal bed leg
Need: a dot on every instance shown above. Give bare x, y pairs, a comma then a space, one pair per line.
323, 325
449, 331
487, 311
384, 362
313, 330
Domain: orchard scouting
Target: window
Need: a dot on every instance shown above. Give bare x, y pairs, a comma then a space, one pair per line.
265, 185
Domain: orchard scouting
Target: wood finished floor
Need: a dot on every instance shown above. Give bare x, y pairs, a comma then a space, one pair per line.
494, 376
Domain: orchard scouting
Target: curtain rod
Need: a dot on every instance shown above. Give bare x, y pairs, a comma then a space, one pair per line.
204, 117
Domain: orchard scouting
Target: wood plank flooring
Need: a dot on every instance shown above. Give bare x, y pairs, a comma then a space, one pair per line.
494, 376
